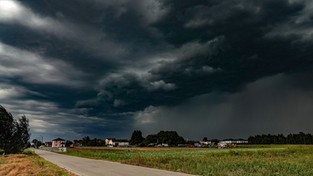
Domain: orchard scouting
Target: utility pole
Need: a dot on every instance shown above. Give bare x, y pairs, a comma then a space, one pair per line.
41, 140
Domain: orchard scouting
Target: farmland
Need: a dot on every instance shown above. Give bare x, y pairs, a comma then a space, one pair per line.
29, 164
246, 160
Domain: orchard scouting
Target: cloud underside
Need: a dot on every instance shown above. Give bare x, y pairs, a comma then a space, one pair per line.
269, 105
200, 67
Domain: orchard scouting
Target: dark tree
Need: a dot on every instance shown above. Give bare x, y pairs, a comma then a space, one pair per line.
22, 134
170, 138
215, 141
6, 130
136, 138
165, 137
100, 142
68, 143
86, 141
150, 139
205, 139
14, 135
36, 143
300, 138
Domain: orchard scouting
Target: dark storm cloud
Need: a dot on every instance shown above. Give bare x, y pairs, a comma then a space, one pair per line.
154, 88
222, 45
269, 105
117, 65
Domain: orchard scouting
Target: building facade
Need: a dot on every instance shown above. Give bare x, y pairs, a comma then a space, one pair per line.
116, 142
59, 142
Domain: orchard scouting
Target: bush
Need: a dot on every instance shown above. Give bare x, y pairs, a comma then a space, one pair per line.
28, 152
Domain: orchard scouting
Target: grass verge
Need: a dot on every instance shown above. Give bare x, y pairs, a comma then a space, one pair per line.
29, 163
257, 160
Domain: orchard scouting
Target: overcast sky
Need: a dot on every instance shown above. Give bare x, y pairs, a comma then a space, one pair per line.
214, 68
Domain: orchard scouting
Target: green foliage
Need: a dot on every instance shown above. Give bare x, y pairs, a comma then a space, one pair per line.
136, 138
170, 137
23, 131
68, 143
300, 138
86, 141
255, 160
150, 139
7, 129
36, 143
164, 137
14, 134
28, 152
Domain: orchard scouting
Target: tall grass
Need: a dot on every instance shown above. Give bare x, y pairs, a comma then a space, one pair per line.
255, 160
29, 163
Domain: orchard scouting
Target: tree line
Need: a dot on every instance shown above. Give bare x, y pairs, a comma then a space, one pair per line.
163, 137
14, 133
86, 141
300, 138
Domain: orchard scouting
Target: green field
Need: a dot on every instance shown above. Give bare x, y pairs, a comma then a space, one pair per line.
252, 160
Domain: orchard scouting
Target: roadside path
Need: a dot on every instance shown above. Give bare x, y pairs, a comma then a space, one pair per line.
92, 167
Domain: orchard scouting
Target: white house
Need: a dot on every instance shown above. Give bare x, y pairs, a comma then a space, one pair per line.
235, 142
58, 142
223, 144
116, 142
205, 143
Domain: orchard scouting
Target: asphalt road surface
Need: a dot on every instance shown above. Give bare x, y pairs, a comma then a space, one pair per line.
92, 167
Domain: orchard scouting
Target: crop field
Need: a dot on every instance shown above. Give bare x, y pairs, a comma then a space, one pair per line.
245, 160
29, 164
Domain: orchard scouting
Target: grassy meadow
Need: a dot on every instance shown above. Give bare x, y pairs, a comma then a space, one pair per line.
29, 164
245, 160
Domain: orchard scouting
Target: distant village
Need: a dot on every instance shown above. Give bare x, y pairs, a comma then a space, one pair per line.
162, 139
112, 142
172, 139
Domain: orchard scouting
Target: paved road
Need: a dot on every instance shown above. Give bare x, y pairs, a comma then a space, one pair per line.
91, 167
